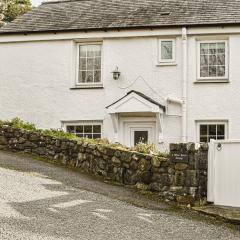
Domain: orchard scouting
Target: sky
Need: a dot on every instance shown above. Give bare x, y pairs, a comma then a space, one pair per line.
36, 2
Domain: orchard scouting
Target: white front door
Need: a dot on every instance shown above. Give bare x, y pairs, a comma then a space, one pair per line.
135, 132
140, 134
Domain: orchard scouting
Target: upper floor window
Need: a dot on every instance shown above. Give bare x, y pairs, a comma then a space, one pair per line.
212, 60
89, 64
166, 50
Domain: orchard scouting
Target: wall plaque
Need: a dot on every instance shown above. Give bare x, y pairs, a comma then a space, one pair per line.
179, 157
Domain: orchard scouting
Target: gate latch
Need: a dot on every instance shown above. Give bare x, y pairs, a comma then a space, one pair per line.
219, 147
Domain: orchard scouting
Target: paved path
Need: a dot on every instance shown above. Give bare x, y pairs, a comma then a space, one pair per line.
42, 201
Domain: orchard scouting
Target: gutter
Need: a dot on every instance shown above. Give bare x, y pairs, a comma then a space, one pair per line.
184, 85
106, 29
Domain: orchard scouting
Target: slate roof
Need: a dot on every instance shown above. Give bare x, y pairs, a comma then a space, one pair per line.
82, 15
141, 95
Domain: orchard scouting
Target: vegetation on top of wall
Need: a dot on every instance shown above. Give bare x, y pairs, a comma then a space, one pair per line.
140, 147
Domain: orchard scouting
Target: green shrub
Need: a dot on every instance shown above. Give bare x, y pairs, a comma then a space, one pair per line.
148, 148
140, 147
18, 123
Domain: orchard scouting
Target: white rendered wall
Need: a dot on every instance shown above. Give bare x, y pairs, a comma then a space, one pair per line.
215, 101
36, 77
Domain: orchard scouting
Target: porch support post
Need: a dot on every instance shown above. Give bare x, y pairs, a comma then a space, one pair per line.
114, 117
159, 117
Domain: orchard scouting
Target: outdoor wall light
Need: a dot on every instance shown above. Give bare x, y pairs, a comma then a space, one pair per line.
116, 74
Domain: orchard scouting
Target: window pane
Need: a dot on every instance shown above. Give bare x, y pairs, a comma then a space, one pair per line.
83, 64
88, 135
204, 60
203, 139
97, 76
212, 130
97, 63
82, 76
204, 48
89, 77
88, 129
221, 129
83, 51
220, 137
221, 59
220, 71
95, 136
204, 72
166, 50
90, 63
203, 129
70, 129
212, 60
212, 48
79, 129
79, 135
96, 128
212, 71
221, 47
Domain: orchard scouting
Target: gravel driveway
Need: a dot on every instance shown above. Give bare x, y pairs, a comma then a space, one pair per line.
42, 201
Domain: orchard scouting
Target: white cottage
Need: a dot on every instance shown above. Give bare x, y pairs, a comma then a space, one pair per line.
148, 70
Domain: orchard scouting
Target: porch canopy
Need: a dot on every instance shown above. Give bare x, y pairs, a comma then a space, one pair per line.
136, 102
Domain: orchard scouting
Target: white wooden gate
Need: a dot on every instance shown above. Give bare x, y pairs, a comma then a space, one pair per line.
224, 173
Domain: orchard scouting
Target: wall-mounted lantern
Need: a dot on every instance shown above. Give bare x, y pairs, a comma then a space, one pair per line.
116, 74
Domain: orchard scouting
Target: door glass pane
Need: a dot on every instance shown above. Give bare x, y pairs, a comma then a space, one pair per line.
140, 136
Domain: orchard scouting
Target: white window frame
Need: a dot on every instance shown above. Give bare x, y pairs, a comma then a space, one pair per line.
82, 122
212, 122
167, 61
88, 84
214, 79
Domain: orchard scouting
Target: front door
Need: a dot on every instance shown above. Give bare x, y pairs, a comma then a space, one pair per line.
136, 132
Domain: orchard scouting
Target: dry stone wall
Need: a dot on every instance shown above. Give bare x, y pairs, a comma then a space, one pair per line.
181, 177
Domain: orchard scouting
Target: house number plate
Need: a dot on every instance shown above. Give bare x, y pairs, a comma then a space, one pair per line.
180, 157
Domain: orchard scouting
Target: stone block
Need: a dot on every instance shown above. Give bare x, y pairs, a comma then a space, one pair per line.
179, 178
191, 179
181, 166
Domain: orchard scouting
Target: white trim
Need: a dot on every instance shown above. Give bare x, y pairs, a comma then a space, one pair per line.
213, 79
88, 85
122, 106
211, 122
167, 61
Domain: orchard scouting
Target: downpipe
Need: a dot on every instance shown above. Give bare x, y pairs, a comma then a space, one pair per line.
184, 85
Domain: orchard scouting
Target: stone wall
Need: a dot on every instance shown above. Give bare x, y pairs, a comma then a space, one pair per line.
173, 178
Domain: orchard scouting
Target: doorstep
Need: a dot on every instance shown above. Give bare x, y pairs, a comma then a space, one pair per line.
230, 214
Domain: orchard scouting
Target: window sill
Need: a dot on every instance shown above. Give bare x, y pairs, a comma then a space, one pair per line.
87, 86
166, 64
212, 81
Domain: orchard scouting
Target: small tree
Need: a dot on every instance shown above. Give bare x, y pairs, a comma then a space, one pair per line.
10, 9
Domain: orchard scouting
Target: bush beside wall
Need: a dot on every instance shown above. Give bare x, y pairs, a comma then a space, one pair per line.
174, 181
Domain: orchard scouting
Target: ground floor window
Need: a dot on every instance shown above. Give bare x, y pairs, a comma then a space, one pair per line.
85, 130
211, 130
